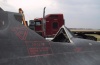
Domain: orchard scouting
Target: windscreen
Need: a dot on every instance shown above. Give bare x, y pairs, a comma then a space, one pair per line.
18, 17
70, 33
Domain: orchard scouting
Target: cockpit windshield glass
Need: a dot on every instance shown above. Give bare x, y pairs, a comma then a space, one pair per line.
18, 17
71, 34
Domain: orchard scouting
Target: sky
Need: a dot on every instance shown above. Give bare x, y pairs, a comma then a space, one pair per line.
77, 13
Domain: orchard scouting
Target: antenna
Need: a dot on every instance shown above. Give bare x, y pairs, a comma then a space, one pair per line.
44, 21
44, 12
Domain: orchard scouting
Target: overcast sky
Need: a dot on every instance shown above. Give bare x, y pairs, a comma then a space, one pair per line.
77, 13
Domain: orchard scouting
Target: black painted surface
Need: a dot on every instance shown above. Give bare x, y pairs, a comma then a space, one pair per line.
22, 46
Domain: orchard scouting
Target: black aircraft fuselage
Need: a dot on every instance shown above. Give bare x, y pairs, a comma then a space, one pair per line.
21, 46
